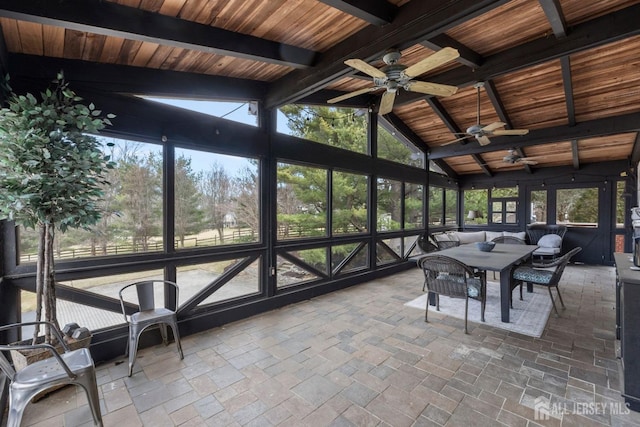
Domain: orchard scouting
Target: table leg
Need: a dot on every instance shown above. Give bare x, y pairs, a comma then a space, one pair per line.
505, 293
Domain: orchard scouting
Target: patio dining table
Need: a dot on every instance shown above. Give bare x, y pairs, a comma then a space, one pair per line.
502, 258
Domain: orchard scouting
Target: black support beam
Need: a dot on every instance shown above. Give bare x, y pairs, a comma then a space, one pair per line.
588, 35
375, 12
415, 21
468, 57
111, 78
112, 19
575, 154
494, 97
592, 128
555, 17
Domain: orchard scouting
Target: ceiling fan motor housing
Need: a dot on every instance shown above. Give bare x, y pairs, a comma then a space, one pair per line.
474, 130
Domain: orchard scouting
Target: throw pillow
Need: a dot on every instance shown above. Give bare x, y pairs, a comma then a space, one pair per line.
550, 241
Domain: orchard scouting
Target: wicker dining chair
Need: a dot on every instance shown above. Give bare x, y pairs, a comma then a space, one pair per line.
548, 275
450, 277
510, 240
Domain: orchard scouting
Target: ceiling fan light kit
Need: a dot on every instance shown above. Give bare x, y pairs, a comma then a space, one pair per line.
394, 76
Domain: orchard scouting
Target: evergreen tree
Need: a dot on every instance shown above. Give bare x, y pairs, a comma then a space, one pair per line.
188, 215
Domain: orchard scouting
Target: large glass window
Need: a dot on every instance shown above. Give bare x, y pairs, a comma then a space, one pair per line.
504, 205
389, 205
339, 127
539, 206
443, 206
302, 201
577, 207
350, 203
436, 205
620, 204
132, 206
413, 206
241, 112
194, 279
392, 147
451, 206
476, 203
216, 199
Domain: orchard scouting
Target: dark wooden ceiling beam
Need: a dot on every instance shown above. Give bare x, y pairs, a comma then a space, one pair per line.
567, 82
111, 78
375, 12
446, 118
496, 101
415, 21
592, 128
468, 57
575, 154
587, 35
439, 109
112, 19
483, 165
553, 10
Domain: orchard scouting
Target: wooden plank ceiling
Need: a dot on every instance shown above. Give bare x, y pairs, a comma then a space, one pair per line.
566, 70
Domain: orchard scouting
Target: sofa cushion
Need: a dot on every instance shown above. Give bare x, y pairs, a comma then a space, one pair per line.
442, 237
550, 241
470, 237
546, 251
522, 235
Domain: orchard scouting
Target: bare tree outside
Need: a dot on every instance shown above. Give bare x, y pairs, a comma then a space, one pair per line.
217, 201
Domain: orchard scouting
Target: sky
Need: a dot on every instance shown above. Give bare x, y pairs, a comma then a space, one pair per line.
236, 111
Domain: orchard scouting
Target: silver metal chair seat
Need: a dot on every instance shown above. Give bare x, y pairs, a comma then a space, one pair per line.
71, 367
148, 315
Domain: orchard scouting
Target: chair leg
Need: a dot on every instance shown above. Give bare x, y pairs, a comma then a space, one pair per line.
133, 349
17, 403
483, 303
163, 333
560, 296
553, 301
426, 310
176, 336
90, 385
466, 307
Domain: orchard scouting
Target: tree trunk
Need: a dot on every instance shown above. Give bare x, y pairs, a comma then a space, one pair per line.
39, 279
49, 283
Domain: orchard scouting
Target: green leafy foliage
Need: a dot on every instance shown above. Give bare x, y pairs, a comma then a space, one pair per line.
51, 170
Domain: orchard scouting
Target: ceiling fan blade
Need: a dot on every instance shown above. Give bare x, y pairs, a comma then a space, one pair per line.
528, 162
386, 104
483, 139
511, 132
370, 70
442, 56
493, 126
457, 139
431, 88
351, 94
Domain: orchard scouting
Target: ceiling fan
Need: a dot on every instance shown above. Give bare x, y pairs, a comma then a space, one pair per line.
394, 76
482, 132
513, 158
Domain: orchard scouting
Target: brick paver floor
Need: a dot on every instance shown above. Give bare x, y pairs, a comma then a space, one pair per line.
359, 357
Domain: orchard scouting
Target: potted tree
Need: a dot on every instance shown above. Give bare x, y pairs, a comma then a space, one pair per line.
52, 171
